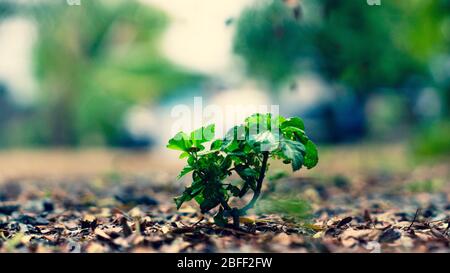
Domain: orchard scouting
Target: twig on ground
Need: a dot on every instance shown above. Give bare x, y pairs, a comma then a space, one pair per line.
414, 219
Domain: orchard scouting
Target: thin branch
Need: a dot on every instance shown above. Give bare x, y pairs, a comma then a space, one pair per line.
257, 191
225, 204
244, 189
414, 219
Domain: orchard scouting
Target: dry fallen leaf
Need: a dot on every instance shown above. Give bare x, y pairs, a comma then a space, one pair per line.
101, 234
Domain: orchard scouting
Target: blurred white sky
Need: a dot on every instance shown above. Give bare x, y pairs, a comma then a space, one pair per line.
198, 37
16, 36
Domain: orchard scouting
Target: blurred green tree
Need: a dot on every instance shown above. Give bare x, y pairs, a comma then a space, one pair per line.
93, 62
387, 48
6, 9
271, 41
348, 42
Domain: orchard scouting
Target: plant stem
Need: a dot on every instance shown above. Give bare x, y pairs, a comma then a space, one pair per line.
257, 191
225, 205
235, 212
244, 189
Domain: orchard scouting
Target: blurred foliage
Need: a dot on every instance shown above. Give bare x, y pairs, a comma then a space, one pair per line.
349, 42
387, 110
428, 186
271, 40
272, 180
277, 175
384, 54
432, 140
357, 45
6, 9
93, 62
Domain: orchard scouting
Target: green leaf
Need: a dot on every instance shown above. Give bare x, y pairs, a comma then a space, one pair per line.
199, 199
180, 142
231, 146
179, 201
293, 130
226, 163
197, 186
186, 196
210, 152
185, 171
216, 145
261, 122
249, 172
277, 121
202, 135
190, 192
233, 137
293, 151
184, 155
246, 173
294, 122
191, 161
265, 141
208, 204
213, 194
236, 158
265, 137
235, 191
312, 156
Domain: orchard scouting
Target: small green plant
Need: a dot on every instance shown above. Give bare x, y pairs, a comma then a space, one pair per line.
290, 208
245, 150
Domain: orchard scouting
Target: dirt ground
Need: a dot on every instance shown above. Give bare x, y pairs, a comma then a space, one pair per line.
364, 198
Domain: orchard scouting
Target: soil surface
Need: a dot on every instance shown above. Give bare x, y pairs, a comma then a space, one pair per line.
362, 199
